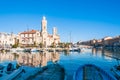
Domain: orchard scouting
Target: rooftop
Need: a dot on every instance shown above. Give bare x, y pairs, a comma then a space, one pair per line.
29, 32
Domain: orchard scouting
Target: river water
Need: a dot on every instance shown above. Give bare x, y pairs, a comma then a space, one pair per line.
71, 61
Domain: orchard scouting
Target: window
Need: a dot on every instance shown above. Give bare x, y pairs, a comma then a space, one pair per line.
22, 35
30, 35
26, 35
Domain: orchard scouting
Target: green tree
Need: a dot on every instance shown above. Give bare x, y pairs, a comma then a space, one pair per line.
34, 45
53, 45
15, 45
41, 45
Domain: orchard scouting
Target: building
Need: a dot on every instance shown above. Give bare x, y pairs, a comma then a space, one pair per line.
7, 40
29, 38
106, 41
48, 39
107, 38
34, 37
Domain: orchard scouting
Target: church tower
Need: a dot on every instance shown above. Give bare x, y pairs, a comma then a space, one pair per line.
54, 31
44, 31
44, 25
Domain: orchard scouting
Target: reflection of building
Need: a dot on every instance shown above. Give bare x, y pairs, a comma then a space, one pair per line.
7, 57
38, 59
31, 37
7, 39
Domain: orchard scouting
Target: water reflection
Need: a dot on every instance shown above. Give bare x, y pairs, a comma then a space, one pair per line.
105, 53
67, 53
6, 57
42, 59
98, 52
31, 59
69, 60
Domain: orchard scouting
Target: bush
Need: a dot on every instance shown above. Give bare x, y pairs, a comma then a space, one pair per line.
15, 46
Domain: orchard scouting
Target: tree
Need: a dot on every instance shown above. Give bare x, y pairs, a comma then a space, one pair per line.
64, 45
53, 45
34, 44
61, 45
67, 45
41, 45
15, 45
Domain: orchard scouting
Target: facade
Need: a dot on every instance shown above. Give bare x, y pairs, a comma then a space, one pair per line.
6, 40
29, 38
39, 37
107, 38
104, 42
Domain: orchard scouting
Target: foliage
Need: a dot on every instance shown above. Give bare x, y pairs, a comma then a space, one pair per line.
15, 46
41, 45
64, 45
53, 45
34, 45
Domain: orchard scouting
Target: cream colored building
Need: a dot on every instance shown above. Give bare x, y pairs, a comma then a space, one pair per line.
48, 39
30, 37
36, 37
107, 38
6, 40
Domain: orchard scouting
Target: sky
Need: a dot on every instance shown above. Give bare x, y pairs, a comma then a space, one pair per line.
75, 19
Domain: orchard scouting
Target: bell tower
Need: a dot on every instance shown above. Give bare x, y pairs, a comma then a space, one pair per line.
44, 31
54, 31
44, 25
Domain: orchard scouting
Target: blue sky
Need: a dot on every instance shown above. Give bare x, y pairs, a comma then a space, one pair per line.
84, 19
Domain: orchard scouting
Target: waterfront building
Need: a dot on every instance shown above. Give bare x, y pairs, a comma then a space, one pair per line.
48, 39
7, 40
104, 42
32, 37
29, 38
114, 41
107, 38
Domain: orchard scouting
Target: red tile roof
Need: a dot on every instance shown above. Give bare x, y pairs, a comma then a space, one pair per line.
29, 32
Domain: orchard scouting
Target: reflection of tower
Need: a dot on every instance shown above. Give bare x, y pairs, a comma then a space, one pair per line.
103, 51
43, 59
94, 51
44, 31
55, 57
